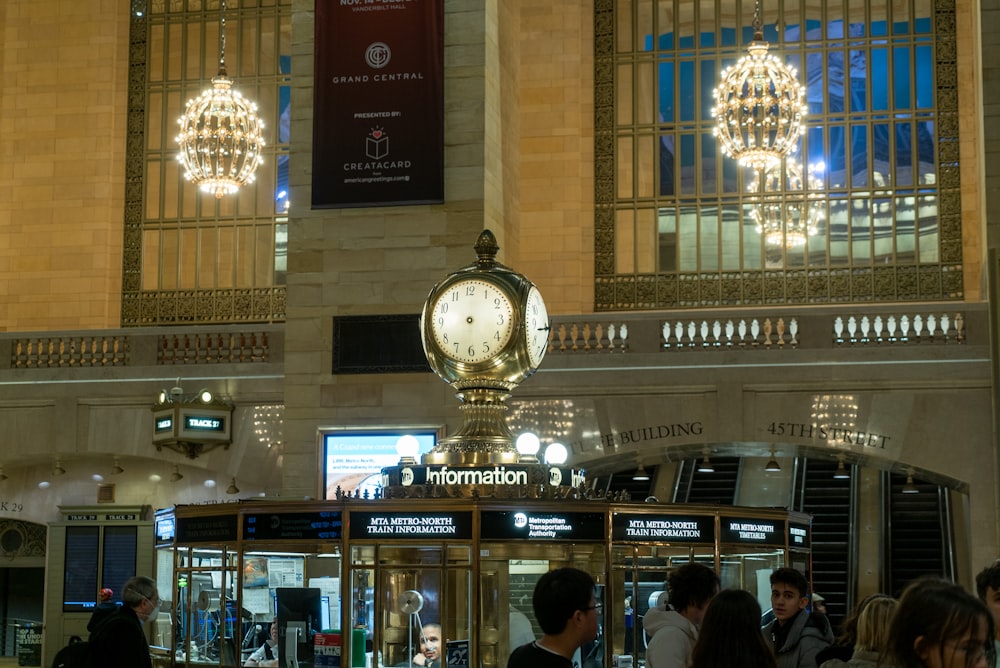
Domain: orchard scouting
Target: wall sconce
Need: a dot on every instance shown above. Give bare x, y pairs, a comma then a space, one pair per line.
527, 445
706, 464
232, 489
910, 487
191, 425
176, 475
640, 474
117, 468
58, 468
772, 465
841, 473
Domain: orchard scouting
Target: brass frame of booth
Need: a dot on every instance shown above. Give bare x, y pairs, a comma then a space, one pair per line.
386, 569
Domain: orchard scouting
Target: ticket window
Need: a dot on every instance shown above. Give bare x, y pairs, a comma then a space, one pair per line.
410, 599
508, 573
206, 620
638, 583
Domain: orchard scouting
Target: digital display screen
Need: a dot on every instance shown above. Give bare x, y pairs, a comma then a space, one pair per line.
636, 527
505, 524
754, 531
353, 460
203, 423
320, 525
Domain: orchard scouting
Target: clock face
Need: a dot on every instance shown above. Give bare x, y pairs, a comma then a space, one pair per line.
536, 327
472, 321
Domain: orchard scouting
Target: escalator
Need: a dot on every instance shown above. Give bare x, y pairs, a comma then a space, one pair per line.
713, 487
919, 531
831, 503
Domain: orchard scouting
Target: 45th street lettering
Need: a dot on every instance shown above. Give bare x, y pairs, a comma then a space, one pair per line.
824, 433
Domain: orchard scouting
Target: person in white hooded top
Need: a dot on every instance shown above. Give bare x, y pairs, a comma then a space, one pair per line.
674, 627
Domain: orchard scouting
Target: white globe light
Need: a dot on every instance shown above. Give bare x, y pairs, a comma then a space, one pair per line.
527, 445
407, 447
556, 453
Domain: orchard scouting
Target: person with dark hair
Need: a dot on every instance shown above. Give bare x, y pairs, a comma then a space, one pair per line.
988, 588
872, 630
937, 624
267, 653
796, 635
843, 646
730, 634
120, 640
674, 627
566, 610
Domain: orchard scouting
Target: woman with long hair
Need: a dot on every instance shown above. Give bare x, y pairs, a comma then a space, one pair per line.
870, 632
730, 634
937, 624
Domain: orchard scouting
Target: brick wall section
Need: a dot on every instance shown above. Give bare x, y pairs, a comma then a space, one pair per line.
62, 137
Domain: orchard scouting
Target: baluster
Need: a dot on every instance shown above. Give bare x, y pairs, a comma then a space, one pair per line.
611, 337
904, 328
692, 332
585, 333
918, 327
679, 333
931, 326
716, 332
742, 329
959, 327
865, 328
704, 333
878, 328
665, 333
781, 332
852, 329
793, 329
730, 328
945, 326
574, 332
623, 333
767, 332
891, 327
754, 330
838, 329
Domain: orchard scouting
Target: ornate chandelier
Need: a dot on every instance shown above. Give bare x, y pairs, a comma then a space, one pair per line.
759, 106
786, 208
220, 139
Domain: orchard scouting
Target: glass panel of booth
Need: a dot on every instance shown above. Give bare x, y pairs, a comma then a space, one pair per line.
422, 595
508, 574
202, 613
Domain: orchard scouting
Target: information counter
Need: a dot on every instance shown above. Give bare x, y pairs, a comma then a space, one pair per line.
389, 570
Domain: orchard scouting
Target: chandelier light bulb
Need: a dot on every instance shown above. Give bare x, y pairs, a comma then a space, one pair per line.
759, 106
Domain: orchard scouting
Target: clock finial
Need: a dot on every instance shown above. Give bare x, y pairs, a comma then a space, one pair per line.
486, 249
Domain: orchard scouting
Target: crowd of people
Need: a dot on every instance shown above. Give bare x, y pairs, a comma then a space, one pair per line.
934, 623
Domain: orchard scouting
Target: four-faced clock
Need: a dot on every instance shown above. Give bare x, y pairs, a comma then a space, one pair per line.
536, 327
472, 320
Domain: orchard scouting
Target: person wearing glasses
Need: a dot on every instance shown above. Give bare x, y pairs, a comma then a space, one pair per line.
937, 624
119, 641
567, 611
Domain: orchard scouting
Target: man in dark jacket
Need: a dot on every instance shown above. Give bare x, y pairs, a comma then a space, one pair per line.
796, 635
120, 641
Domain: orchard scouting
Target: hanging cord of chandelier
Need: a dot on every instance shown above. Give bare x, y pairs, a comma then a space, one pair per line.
222, 38
758, 25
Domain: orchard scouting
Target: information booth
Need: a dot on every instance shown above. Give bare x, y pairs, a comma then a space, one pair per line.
387, 569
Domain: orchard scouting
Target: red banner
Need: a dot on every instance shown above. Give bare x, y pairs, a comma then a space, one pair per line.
378, 126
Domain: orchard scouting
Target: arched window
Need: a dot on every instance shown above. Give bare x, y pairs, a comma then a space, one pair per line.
677, 222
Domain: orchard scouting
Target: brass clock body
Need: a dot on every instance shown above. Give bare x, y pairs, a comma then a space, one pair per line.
484, 330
